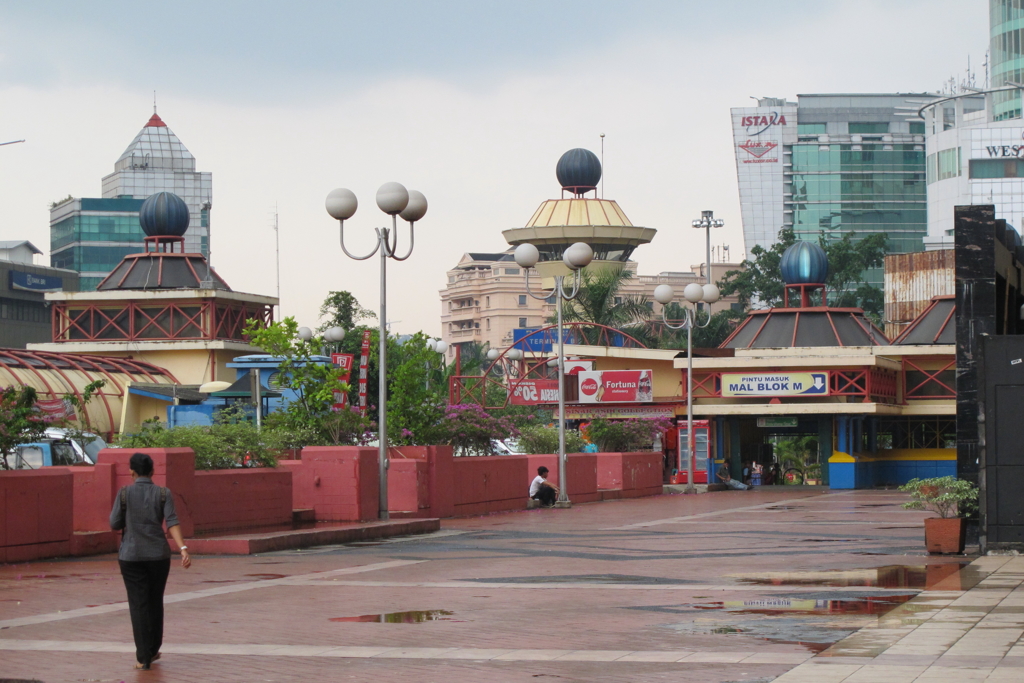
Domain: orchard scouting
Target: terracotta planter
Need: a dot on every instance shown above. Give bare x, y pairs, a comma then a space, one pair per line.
945, 536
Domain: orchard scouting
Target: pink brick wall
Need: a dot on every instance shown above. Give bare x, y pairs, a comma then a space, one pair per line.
490, 484
93, 496
240, 498
581, 470
339, 482
37, 513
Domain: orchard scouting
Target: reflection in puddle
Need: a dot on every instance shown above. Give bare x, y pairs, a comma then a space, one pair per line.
925, 577
865, 605
415, 617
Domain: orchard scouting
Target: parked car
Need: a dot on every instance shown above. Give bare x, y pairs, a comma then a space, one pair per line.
57, 448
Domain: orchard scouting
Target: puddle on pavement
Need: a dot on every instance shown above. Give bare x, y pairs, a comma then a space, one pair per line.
414, 617
770, 606
924, 577
814, 624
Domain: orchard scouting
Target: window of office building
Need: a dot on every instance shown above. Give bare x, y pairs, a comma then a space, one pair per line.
16, 310
511, 271
522, 299
837, 189
522, 322
943, 165
996, 168
869, 128
810, 128
488, 300
917, 127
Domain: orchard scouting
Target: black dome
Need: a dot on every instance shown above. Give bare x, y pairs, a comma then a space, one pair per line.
578, 170
164, 214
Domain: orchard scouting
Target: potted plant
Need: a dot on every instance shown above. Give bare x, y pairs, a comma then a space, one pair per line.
952, 499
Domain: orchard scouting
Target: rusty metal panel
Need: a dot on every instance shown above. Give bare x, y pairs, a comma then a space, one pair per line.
911, 280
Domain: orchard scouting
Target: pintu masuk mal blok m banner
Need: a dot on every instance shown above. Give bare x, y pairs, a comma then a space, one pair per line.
616, 386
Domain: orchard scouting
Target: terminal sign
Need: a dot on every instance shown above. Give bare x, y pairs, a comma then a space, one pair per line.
775, 384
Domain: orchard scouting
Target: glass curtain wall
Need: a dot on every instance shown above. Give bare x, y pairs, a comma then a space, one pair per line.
1006, 18
837, 189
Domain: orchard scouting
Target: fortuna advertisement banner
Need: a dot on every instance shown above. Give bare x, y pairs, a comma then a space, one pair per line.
530, 392
616, 386
344, 361
364, 364
775, 384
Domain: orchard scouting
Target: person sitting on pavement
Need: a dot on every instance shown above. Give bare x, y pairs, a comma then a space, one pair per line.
541, 489
725, 476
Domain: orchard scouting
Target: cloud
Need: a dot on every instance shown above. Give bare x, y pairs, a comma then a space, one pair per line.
482, 148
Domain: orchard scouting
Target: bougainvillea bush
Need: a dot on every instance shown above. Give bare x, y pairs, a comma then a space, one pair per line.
470, 429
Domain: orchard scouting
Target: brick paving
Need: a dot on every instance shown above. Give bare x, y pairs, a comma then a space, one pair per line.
729, 586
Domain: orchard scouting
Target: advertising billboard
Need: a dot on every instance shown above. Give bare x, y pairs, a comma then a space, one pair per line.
616, 386
531, 392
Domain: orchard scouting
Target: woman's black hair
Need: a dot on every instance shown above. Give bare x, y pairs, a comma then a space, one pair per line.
141, 464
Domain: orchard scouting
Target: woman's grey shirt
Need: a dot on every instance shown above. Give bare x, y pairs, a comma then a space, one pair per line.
143, 537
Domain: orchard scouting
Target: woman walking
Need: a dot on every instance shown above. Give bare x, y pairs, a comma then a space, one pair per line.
145, 557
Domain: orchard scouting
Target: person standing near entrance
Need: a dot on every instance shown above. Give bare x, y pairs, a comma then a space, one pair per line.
141, 509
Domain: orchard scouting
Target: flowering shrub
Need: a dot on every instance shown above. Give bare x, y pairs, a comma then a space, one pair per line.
470, 429
541, 440
622, 436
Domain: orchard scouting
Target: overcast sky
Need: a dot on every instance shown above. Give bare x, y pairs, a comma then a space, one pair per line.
471, 103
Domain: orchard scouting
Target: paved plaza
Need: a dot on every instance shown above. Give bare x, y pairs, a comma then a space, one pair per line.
795, 585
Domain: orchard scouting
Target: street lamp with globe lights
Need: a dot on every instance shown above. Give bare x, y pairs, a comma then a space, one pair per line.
576, 257
396, 201
693, 293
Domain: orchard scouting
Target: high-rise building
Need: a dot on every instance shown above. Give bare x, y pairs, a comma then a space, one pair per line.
833, 164
975, 138
92, 235
1006, 53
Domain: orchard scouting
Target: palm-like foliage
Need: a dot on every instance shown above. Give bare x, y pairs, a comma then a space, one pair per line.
710, 337
596, 303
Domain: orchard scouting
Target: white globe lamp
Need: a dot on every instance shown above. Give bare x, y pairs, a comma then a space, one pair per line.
341, 204
663, 294
392, 198
693, 292
527, 255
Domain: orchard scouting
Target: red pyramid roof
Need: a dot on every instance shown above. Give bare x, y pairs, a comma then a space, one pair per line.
155, 122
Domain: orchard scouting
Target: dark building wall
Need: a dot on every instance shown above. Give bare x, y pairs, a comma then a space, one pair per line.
988, 299
1001, 457
25, 317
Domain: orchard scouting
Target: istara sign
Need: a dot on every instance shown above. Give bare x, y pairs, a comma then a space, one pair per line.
758, 124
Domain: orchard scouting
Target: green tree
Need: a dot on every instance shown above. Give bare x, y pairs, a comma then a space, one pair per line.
315, 383
849, 259
341, 309
599, 301
18, 419
417, 393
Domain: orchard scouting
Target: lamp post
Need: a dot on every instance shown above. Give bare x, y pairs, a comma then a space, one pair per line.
394, 200
707, 221
693, 293
575, 257
439, 346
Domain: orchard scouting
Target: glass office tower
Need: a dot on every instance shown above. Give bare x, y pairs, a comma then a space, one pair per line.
92, 235
1006, 53
845, 163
